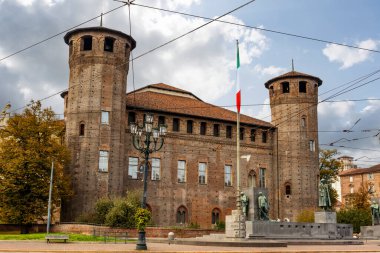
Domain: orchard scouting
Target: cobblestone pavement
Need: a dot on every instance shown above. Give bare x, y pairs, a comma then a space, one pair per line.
41, 246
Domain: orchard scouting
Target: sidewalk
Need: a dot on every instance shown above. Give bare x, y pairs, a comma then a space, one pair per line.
42, 246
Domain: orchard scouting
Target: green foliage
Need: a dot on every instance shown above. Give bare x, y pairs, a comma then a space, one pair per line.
122, 214
28, 144
354, 216
142, 217
306, 215
193, 225
134, 197
329, 169
220, 225
360, 199
41, 236
102, 207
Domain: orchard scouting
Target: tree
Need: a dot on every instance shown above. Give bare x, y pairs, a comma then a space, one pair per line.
360, 199
329, 169
29, 143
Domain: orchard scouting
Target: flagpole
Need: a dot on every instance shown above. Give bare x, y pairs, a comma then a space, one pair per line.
238, 204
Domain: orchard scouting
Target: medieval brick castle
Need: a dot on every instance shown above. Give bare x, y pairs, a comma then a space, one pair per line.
200, 144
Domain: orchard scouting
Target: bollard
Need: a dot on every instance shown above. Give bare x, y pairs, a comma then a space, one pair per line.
170, 237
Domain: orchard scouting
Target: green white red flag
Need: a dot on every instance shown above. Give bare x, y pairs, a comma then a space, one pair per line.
238, 92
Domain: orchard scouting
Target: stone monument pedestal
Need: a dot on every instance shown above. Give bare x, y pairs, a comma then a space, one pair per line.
235, 225
325, 217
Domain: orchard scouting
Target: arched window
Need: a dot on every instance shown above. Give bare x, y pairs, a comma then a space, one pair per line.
285, 87
181, 215
108, 44
86, 43
81, 129
252, 179
303, 121
215, 216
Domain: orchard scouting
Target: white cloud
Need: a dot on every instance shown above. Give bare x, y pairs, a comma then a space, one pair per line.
269, 71
265, 112
203, 62
373, 106
336, 110
349, 56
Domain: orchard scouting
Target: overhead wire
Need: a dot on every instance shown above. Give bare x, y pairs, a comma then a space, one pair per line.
259, 28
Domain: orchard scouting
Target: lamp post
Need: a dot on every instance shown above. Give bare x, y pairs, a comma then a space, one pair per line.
146, 139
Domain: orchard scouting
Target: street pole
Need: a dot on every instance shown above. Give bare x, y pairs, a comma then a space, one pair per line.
143, 203
50, 192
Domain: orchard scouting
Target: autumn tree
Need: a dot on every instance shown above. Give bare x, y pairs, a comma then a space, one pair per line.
29, 143
329, 169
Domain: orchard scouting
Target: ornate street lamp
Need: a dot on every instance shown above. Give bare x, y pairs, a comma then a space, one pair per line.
146, 139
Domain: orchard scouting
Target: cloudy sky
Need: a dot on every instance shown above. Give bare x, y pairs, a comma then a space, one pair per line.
204, 61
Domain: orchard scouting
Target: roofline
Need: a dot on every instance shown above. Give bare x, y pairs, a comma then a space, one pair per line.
162, 88
298, 75
63, 94
99, 29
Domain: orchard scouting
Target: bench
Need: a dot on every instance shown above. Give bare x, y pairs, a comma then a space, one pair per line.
56, 238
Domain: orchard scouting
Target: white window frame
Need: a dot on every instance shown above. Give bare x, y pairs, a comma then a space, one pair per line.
105, 117
133, 165
351, 179
181, 171
103, 161
156, 169
202, 173
227, 175
351, 189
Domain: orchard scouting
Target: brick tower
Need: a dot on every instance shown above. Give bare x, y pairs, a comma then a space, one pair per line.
95, 115
293, 101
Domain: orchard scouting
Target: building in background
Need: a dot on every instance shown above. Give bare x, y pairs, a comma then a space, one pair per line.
352, 179
192, 179
348, 163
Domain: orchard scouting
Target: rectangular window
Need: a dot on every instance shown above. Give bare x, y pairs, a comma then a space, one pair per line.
175, 124
105, 117
253, 135
351, 179
302, 87
227, 175
216, 130
108, 44
264, 136
132, 167
87, 43
285, 87
202, 171
156, 168
241, 133
203, 128
161, 120
189, 126
229, 132
351, 189
103, 161
262, 177
181, 172
312, 145
370, 176
131, 117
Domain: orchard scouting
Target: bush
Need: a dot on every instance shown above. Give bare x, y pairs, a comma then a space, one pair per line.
121, 214
102, 207
306, 215
356, 217
134, 197
220, 225
194, 225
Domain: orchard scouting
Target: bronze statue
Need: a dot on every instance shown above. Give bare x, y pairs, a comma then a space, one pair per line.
324, 195
263, 207
244, 203
375, 213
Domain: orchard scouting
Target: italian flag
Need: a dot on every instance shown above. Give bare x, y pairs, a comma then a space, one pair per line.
238, 92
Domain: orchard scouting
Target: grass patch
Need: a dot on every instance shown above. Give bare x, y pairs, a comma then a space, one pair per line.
41, 236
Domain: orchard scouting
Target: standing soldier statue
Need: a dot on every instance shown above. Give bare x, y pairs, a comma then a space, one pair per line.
324, 195
263, 207
375, 213
244, 203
